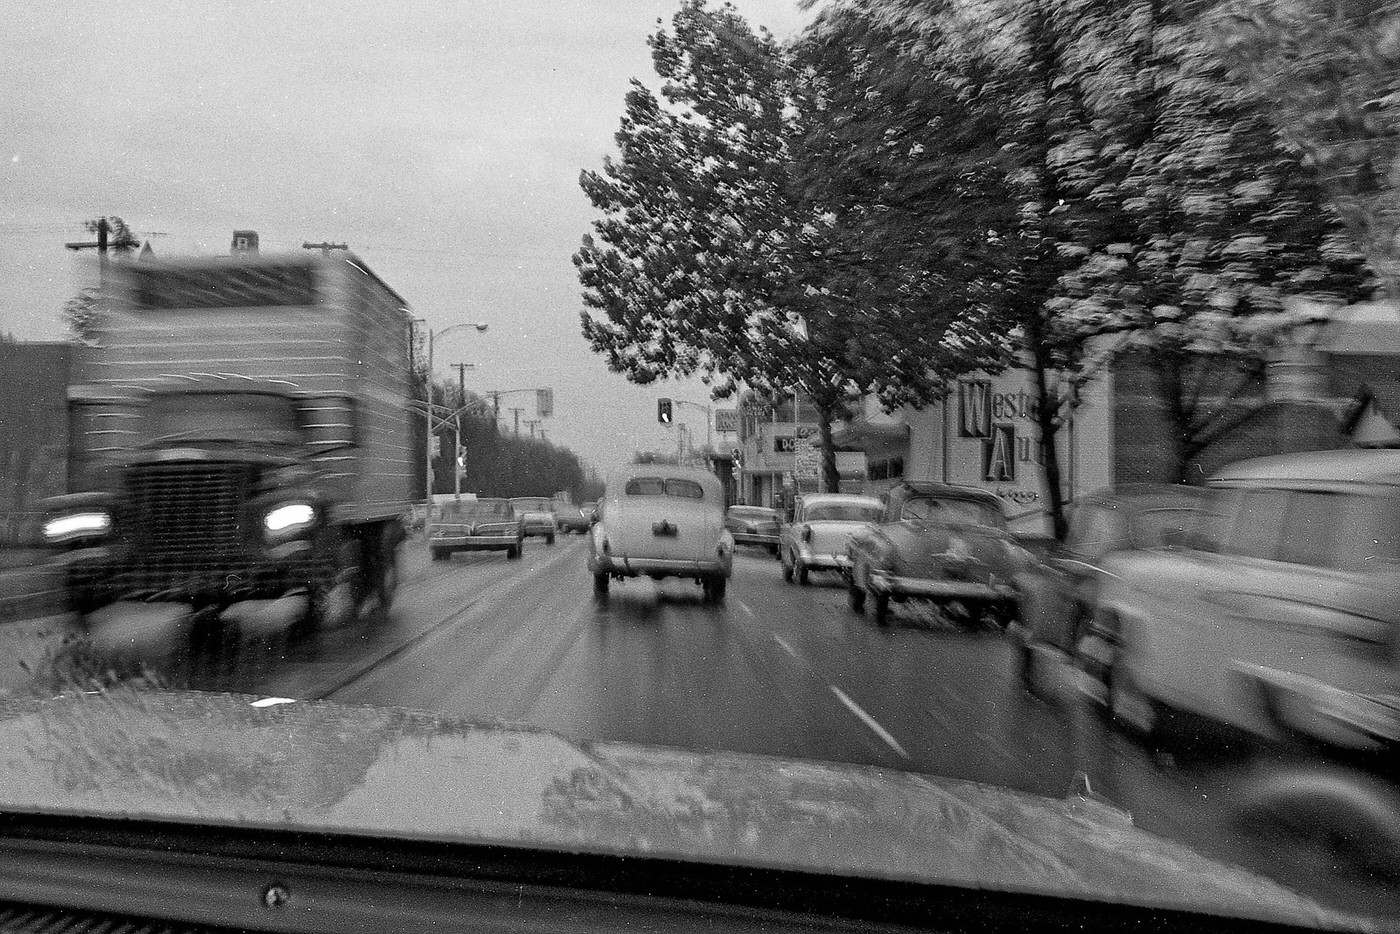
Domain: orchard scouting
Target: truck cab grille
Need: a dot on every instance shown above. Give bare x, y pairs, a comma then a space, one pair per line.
182, 510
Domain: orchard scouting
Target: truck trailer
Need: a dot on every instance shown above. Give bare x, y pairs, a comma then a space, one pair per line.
239, 430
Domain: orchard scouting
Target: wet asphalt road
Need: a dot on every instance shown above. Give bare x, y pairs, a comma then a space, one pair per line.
779, 670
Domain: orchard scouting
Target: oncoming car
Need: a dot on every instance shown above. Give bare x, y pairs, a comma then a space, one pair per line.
477, 525
537, 513
662, 522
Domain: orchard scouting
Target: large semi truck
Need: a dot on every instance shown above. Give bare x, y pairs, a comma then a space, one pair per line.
239, 430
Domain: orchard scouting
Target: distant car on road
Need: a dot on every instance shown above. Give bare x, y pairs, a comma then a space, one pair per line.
946, 544
1278, 612
660, 521
537, 513
822, 524
1057, 594
571, 518
477, 525
754, 525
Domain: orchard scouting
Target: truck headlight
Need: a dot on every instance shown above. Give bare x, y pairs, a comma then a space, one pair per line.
289, 518
77, 525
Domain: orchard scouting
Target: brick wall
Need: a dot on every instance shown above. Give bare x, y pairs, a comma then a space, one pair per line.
1142, 448
33, 433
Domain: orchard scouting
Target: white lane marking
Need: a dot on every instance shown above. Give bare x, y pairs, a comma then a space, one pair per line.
745, 607
786, 648
868, 720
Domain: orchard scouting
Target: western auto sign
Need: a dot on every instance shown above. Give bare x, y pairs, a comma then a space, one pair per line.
996, 442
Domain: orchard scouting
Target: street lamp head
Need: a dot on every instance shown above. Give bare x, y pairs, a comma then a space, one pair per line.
481, 326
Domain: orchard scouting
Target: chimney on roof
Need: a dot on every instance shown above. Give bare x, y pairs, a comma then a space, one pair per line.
245, 243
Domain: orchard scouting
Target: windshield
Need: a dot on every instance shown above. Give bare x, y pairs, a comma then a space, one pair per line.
225, 416
842, 512
480, 509
314, 319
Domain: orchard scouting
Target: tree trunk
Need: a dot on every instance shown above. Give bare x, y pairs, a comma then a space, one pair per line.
1169, 365
1047, 417
831, 478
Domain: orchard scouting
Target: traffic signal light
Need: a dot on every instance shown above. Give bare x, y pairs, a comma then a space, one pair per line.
663, 411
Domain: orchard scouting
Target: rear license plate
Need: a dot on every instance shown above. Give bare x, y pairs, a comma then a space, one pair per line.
664, 529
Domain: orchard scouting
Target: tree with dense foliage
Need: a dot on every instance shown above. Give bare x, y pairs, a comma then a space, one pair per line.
1330, 72
717, 255
1154, 202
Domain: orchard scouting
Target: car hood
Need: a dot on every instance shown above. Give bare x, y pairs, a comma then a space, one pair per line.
219, 759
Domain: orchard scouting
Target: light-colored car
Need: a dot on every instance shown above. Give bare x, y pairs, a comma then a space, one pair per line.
754, 525
1279, 612
477, 525
1058, 592
537, 512
660, 521
822, 523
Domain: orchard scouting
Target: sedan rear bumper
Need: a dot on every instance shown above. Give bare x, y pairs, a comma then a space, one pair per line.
622, 566
823, 562
754, 538
938, 589
475, 542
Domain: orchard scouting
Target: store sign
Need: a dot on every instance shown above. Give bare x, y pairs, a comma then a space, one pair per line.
726, 419
996, 442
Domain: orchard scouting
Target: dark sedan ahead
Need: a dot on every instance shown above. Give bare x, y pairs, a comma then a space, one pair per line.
945, 544
754, 525
571, 518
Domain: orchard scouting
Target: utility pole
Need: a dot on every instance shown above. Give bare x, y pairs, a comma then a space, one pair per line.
462, 369
531, 423
517, 421
324, 247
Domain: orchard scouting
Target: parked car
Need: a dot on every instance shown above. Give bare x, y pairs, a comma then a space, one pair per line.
590, 511
1056, 594
537, 512
822, 524
1285, 593
754, 525
946, 544
662, 521
570, 518
478, 525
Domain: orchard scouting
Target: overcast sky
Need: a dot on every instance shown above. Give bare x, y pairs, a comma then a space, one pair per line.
442, 141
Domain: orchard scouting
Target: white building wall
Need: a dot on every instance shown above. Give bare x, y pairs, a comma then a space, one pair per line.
984, 434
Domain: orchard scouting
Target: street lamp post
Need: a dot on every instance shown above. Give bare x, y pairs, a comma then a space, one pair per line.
428, 438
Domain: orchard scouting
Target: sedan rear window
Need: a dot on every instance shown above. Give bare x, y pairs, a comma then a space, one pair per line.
842, 512
951, 510
656, 486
